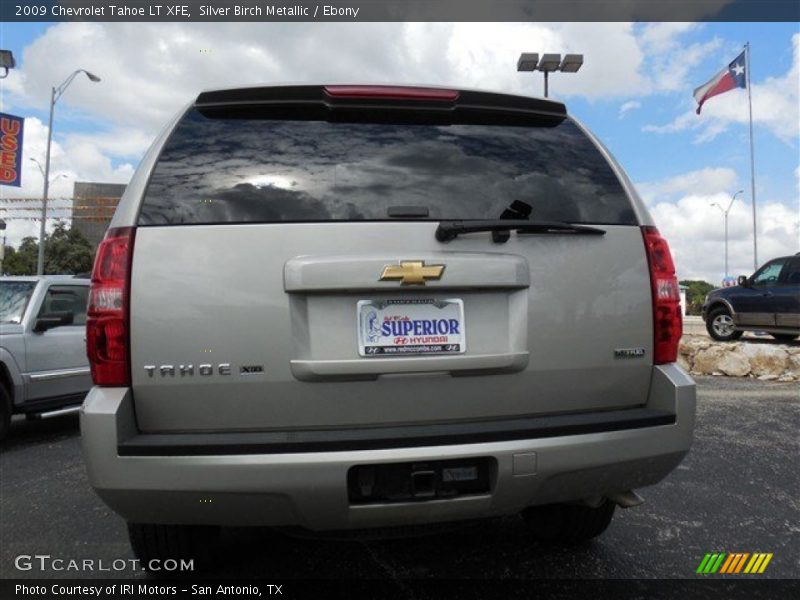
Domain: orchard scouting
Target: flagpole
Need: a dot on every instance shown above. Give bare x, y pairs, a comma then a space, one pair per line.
752, 158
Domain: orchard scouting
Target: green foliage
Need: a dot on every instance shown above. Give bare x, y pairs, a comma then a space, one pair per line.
66, 252
695, 294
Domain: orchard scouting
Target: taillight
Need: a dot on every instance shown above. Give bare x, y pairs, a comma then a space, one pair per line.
107, 323
389, 92
667, 318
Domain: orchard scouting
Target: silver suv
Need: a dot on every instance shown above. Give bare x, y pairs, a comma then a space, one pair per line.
363, 306
43, 366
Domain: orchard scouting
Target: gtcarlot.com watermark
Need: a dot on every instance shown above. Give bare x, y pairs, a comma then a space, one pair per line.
47, 562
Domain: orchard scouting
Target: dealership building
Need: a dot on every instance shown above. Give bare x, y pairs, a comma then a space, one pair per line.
93, 205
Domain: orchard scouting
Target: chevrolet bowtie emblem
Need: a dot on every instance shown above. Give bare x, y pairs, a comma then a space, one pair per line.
412, 272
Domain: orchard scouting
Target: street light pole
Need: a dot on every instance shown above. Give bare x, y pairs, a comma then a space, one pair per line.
3, 247
725, 212
43, 224
530, 61
55, 94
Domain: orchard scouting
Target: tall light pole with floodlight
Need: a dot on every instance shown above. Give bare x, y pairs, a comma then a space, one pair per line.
41, 170
7, 62
549, 63
55, 94
725, 212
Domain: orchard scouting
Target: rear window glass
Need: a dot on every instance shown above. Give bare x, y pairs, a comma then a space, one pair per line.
230, 170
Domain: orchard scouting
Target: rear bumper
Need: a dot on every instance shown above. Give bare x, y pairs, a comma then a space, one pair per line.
309, 489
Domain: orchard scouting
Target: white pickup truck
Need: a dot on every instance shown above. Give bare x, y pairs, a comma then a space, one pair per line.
43, 366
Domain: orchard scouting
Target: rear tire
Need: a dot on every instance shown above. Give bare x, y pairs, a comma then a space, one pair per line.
720, 326
784, 337
5, 412
199, 543
568, 523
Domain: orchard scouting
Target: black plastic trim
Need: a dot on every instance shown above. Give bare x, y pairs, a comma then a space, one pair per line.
52, 403
404, 436
313, 103
315, 94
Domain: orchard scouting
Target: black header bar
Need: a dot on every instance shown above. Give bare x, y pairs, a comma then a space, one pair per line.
183, 11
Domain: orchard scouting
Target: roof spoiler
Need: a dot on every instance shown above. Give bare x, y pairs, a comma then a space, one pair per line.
344, 101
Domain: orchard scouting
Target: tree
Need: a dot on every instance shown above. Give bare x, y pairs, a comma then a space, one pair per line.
66, 252
696, 291
21, 261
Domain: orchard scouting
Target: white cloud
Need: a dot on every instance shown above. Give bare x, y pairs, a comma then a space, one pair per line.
711, 180
150, 71
78, 158
682, 207
660, 37
628, 106
776, 106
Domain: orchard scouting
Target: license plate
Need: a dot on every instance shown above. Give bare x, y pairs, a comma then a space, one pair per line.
411, 326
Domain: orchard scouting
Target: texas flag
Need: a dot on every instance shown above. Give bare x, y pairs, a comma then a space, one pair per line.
734, 76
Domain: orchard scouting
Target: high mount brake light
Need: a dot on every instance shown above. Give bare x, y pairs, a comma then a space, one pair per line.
667, 318
107, 323
387, 92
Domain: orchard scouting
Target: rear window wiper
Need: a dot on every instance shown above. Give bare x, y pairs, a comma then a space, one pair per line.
449, 230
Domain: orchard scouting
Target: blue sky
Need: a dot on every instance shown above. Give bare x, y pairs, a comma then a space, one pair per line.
634, 92
776, 159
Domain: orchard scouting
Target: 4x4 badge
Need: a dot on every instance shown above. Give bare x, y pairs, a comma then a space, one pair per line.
413, 272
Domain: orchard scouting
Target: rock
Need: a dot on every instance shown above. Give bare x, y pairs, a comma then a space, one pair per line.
786, 379
706, 361
685, 362
793, 365
734, 363
767, 377
689, 345
765, 360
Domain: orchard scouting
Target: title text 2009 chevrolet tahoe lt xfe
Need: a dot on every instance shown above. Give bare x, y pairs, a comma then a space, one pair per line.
356, 306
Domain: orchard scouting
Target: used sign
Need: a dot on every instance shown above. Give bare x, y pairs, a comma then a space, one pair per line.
11, 129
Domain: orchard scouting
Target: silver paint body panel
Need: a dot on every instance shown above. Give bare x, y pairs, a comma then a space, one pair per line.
543, 317
44, 365
310, 490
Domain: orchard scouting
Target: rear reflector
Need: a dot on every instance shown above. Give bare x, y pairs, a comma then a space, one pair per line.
667, 318
107, 326
386, 92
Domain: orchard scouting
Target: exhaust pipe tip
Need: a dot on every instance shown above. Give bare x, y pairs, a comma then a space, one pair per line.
627, 499
69, 410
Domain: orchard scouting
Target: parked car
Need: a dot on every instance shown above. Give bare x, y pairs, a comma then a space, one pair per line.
44, 371
769, 300
343, 307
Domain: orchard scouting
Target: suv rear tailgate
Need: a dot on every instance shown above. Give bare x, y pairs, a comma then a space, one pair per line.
543, 316
273, 228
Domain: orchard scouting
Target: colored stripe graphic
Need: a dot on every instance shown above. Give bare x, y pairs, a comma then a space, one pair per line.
711, 563
740, 564
718, 563
752, 563
724, 563
727, 564
765, 563
703, 563
758, 563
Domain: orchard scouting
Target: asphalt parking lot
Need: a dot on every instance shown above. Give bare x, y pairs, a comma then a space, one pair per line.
737, 491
